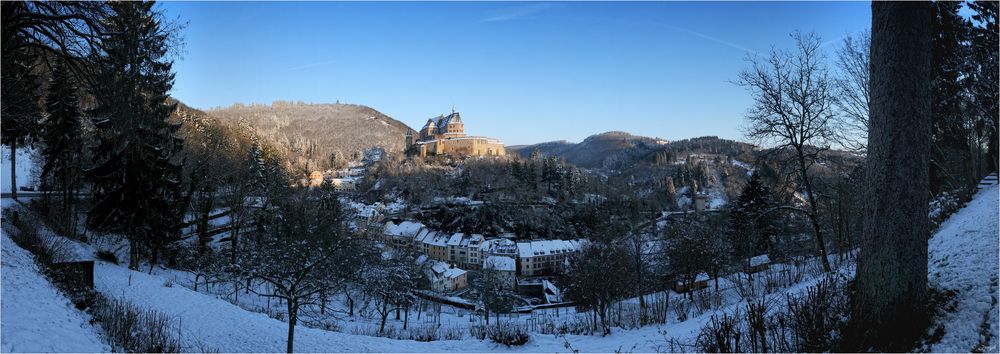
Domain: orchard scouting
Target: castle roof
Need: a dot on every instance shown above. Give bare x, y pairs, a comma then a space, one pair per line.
444, 120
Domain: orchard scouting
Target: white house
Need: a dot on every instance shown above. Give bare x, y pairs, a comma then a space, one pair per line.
444, 277
542, 257
506, 266
401, 235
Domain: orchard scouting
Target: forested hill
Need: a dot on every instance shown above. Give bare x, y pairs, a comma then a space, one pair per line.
319, 131
614, 149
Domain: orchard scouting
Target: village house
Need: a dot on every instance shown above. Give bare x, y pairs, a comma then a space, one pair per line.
468, 252
506, 266
400, 235
435, 246
499, 247
454, 244
344, 184
545, 257
444, 277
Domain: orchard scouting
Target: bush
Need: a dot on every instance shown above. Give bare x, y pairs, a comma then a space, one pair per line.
133, 329
817, 317
478, 331
812, 322
107, 256
508, 334
721, 335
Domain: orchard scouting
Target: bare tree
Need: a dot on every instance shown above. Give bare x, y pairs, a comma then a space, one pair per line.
854, 69
302, 252
890, 308
793, 112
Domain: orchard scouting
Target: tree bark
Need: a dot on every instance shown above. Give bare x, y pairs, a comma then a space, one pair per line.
13, 171
292, 318
889, 310
820, 243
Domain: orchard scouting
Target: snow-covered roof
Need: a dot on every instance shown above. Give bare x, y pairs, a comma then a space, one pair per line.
500, 263
452, 273
422, 235
437, 239
547, 247
456, 239
760, 260
473, 240
499, 246
442, 269
404, 228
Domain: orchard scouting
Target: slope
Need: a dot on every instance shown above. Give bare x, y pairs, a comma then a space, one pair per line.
35, 317
963, 257
341, 129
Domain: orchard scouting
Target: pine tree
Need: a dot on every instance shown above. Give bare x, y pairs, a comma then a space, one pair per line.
949, 151
62, 137
136, 184
986, 79
19, 106
749, 224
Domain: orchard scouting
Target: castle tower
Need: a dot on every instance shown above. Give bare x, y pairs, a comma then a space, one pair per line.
409, 138
429, 130
455, 127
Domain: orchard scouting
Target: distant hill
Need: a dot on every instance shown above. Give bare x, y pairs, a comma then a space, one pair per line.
591, 152
619, 149
345, 130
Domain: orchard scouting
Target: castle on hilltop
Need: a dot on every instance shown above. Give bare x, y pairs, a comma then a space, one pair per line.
445, 134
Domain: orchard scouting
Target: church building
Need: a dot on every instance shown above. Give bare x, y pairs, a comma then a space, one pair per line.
445, 134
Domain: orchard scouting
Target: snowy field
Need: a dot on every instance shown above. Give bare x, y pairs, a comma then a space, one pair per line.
23, 166
34, 316
963, 257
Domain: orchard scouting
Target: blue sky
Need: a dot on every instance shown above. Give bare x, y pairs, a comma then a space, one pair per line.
524, 72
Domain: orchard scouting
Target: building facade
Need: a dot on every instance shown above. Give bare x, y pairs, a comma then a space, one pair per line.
445, 134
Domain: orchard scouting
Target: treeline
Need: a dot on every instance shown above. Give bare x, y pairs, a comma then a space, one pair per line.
86, 84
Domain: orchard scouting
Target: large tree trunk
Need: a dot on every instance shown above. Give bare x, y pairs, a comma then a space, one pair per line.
13, 171
889, 311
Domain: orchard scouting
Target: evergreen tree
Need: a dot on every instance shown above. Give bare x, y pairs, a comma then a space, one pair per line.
949, 152
136, 184
985, 91
62, 136
749, 224
19, 106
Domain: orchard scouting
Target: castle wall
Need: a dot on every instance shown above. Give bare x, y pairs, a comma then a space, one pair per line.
463, 146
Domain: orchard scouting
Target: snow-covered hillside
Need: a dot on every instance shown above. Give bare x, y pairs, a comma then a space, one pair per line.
23, 166
964, 257
35, 317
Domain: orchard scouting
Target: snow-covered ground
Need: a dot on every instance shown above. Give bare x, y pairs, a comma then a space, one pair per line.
963, 256
34, 316
23, 166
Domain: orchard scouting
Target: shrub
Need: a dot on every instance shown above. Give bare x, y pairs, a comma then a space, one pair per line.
721, 335
134, 329
818, 316
508, 334
107, 256
478, 331
424, 334
812, 322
